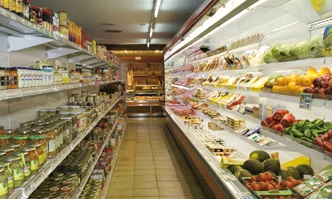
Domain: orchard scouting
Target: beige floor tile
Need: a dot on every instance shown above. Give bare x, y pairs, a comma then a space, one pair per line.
124, 168
193, 191
145, 167
171, 192
144, 158
145, 172
160, 154
124, 173
145, 185
187, 177
147, 178
120, 193
143, 162
126, 158
122, 185
146, 198
145, 192
167, 178
111, 197
123, 178
164, 167
166, 172
125, 163
168, 184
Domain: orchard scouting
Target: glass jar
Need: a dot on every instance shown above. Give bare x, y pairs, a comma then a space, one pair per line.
16, 166
16, 147
7, 150
8, 172
40, 142
46, 196
2, 130
68, 190
21, 139
13, 81
52, 142
2, 155
25, 159
4, 184
4, 140
3, 78
33, 157
61, 135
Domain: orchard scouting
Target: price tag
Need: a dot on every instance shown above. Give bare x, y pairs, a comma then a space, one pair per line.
305, 101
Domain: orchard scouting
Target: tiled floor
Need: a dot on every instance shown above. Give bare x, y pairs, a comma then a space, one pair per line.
151, 166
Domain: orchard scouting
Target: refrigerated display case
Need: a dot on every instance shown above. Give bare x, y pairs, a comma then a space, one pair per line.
253, 79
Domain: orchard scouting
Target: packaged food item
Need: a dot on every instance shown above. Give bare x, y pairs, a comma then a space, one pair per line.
4, 184
326, 173
307, 187
322, 193
17, 169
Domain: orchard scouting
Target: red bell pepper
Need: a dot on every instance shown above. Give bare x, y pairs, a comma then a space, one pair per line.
273, 123
278, 127
319, 141
269, 119
279, 114
264, 123
327, 146
288, 120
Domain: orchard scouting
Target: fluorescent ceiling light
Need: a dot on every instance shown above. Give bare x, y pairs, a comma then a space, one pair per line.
151, 31
156, 9
148, 45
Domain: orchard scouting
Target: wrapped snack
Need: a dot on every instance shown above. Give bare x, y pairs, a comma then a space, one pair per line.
308, 186
326, 173
322, 193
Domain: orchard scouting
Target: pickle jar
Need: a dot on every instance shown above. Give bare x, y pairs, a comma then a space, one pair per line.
4, 140
2, 155
22, 138
4, 184
60, 127
16, 147
16, 166
46, 196
9, 174
33, 158
52, 141
25, 159
7, 150
39, 138
75, 178
2, 130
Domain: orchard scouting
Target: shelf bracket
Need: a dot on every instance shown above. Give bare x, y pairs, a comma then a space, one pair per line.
91, 61
28, 41
78, 58
59, 52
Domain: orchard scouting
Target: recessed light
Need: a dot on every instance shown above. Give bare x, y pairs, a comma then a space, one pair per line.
113, 31
108, 24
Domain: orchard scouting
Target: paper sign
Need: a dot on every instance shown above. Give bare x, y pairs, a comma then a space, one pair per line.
305, 101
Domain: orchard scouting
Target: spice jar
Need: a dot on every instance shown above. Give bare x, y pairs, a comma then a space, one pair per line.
4, 184
25, 159
16, 166
33, 158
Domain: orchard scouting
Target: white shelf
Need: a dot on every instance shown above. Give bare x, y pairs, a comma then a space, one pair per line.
108, 180
93, 164
24, 34
27, 189
242, 92
298, 64
179, 86
33, 91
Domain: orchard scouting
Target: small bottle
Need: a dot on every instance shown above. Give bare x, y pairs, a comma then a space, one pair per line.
6, 4
12, 5
19, 7
26, 9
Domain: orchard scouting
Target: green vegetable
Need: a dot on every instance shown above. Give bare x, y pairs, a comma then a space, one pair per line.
287, 130
319, 123
307, 133
314, 133
296, 133
302, 123
322, 131
303, 49
306, 139
316, 46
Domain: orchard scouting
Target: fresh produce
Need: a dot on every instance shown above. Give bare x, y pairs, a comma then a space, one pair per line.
287, 120
284, 174
242, 173
234, 168
253, 166
272, 165
305, 170
259, 155
293, 172
280, 120
279, 114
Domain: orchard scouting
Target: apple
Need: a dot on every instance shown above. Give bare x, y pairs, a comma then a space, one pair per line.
330, 83
308, 90
316, 90
316, 82
325, 83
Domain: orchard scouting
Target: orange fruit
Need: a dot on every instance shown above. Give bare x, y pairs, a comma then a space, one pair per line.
285, 81
311, 71
279, 81
301, 89
324, 71
292, 86
305, 81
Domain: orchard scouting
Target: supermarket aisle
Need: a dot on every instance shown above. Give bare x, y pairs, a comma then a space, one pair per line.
151, 166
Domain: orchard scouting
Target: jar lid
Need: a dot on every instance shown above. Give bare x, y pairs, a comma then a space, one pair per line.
2, 153
12, 158
7, 149
31, 147
36, 137
13, 145
4, 137
20, 137
19, 153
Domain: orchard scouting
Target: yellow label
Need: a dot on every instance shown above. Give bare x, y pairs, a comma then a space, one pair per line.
27, 169
3, 188
12, 5
218, 85
19, 6
34, 165
41, 158
231, 87
18, 174
6, 4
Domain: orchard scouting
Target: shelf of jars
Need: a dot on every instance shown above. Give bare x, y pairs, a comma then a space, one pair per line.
30, 185
25, 34
108, 180
39, 90
83, 182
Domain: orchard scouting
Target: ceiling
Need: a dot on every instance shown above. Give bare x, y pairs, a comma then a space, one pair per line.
126, 15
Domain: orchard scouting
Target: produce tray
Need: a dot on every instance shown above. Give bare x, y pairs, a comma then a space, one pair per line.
272, 130
305, 143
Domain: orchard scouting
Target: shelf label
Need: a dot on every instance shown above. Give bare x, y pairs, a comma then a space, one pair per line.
305, 101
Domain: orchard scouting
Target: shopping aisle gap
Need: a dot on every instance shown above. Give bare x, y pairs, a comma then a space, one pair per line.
151, 166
